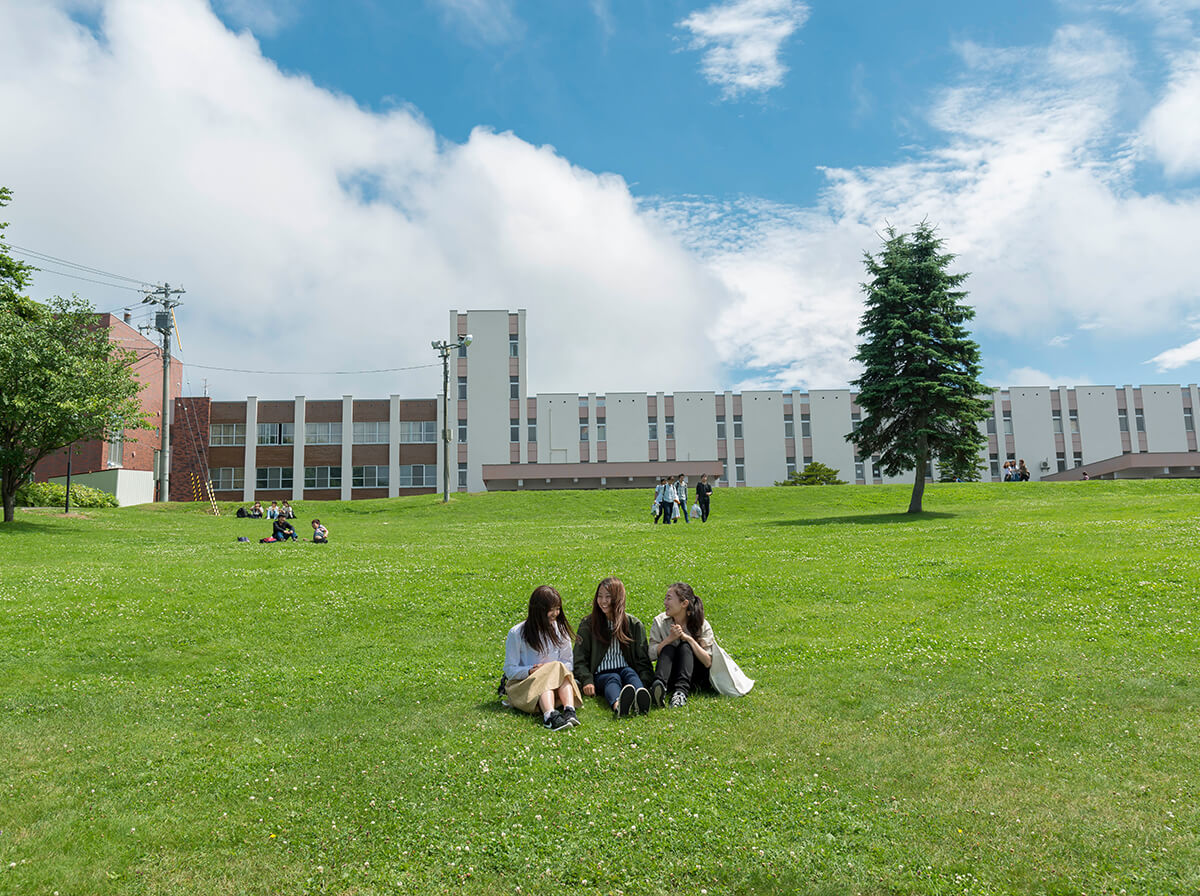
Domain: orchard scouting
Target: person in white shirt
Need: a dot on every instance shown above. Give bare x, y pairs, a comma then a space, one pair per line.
539, 662
681, 641
666, 501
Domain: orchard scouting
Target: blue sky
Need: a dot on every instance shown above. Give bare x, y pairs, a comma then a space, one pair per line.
328, 180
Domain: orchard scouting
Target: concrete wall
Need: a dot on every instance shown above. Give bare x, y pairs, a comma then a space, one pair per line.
1099, 434
830, 413
1033, 430
626, 412
1163, 409
695, 426
762, 433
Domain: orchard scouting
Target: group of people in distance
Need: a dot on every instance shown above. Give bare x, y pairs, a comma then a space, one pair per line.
546, 663
281, 528
670, 499
1014, 472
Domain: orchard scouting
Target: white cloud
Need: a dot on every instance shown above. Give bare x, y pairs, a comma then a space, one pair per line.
742, 41
1032, 184
1172, 129
1060, 341
264, 17
1031, 376
491, 21
1174, 358
312, 234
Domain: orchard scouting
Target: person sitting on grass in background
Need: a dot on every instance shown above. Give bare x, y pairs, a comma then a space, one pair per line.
538, 662
256, 511
611, 654
273, 511
320, 533
282, 530
681, 640
285, 511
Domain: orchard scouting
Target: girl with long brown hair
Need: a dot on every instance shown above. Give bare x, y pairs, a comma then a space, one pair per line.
611, 655
538, 662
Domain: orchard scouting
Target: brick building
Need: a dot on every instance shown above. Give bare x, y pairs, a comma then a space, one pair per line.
124, 465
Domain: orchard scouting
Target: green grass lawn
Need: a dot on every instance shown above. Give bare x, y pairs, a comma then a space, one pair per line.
997, 696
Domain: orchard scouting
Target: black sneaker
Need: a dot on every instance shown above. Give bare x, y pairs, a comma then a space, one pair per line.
643, 700
556, 721
569, 715
625, 701
658, 693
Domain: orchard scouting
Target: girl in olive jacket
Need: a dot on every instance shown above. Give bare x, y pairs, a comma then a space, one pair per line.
612, 655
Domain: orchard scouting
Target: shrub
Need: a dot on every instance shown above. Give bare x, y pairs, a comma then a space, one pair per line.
53, 494
815, 473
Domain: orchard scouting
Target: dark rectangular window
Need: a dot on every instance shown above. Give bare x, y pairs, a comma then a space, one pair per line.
462, 388
514, 388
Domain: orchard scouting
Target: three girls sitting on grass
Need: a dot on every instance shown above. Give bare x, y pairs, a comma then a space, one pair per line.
612, 655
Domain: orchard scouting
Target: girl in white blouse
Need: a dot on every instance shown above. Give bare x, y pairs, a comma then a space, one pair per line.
681, 641
538, 662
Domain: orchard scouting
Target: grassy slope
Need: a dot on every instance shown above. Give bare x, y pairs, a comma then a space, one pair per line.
996, 697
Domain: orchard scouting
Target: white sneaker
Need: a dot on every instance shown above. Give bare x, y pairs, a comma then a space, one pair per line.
678, 699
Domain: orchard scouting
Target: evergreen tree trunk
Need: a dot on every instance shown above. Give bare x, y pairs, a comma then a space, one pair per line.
918, 493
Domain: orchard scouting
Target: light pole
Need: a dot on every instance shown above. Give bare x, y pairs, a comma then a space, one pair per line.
444, 349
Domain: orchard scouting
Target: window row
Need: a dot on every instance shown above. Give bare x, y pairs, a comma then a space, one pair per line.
281, 478
370, 432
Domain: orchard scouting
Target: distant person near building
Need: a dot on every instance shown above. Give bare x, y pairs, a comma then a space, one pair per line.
703, 490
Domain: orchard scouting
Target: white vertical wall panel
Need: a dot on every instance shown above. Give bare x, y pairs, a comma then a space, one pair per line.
487, 394
558, 428
251, 474
1099, 434
347, 447
298, 450
829, 411
762, 432
696, 426
1033, 430
1163, 409
626, 414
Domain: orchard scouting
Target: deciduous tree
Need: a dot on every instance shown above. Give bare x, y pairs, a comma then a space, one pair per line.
61, 379
919, 391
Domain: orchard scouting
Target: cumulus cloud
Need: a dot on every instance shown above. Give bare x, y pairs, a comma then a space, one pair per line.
312, 234
1172, 129
742, 42
1174, 358
263, 17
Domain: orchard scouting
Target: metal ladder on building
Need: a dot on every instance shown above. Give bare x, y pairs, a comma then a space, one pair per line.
202, 488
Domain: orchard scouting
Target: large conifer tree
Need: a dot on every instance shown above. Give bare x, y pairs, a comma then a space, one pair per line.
920, 391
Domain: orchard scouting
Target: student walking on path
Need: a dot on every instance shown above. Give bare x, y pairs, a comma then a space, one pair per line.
703, 490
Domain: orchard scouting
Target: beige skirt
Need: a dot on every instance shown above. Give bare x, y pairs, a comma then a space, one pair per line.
524, 694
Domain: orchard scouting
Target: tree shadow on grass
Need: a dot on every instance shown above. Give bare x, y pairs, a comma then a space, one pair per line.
868, 519
43, 524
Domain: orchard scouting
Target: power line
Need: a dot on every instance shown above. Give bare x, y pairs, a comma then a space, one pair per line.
33, 253
312, 372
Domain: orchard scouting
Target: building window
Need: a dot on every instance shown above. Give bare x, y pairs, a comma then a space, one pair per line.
514, 388
1188, 424
462, 350
583, 432
116, 449
423, 475
276, 433
322, 477
1061, 460
462, 475
223, 434
372, 432
462, 432
1078, 458
860, 472
737, 426
601, 432
805, 427
739, 469
599, 401
1073, 419
462, 388
533, 430
1056, 421
725, 472
1139, 420
995, 465
791, 466
322, 433
721, 429
370, 477
273, 477
1008, 426
789, 428
1123, 421
991, 426
670, 424
228, 479
514, 430
514, 345
652, 430
417, 432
